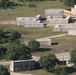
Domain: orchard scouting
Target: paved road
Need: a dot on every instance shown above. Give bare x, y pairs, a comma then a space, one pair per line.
13, 73
5, 63
9, 62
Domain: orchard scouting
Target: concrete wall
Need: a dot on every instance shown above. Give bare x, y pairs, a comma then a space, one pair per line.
72, 32
64, 29
44, 41
54, 13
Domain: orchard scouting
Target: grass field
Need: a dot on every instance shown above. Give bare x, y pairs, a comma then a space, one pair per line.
65, 44
36, 72
31, 33
20, 11
40, 72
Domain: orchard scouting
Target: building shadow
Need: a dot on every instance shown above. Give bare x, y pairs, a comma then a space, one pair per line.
44, 49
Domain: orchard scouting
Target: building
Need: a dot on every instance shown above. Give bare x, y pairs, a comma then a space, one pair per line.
73, 9
44, 41
54, 13
22, 65
56, 16
64, 58
30, 21
59, 28
41, 41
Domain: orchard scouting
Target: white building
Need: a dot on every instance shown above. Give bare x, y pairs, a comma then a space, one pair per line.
56, 16
41, 41
59, 28
44, 41
30, 21
73, 9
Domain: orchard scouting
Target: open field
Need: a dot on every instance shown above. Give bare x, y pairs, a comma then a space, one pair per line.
20, 11
65, 44
31, 33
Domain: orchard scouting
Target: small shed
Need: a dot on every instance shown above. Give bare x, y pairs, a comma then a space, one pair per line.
44, 41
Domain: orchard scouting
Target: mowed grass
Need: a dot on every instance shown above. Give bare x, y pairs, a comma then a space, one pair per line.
23, 11
30, 33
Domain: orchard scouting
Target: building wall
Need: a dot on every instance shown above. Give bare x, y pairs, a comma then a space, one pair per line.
30, 24
30, 21
54, 13
72, 32
58, 20
64, 29
22, 65
44, 41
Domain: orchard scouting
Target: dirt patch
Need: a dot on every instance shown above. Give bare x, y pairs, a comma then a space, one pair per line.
11, 22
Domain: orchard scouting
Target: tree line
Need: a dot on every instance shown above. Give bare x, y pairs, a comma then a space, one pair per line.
9, 4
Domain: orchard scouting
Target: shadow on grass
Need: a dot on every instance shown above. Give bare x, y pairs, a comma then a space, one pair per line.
70, 70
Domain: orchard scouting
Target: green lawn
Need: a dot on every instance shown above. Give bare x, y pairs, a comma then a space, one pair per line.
20, 11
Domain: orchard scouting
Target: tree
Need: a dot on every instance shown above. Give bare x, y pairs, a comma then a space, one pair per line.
2, 52
1, 35
17, 51
69, 2
48, 62
60, 71
34, 45
14, 35
3, 70
4, 3
73, 56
